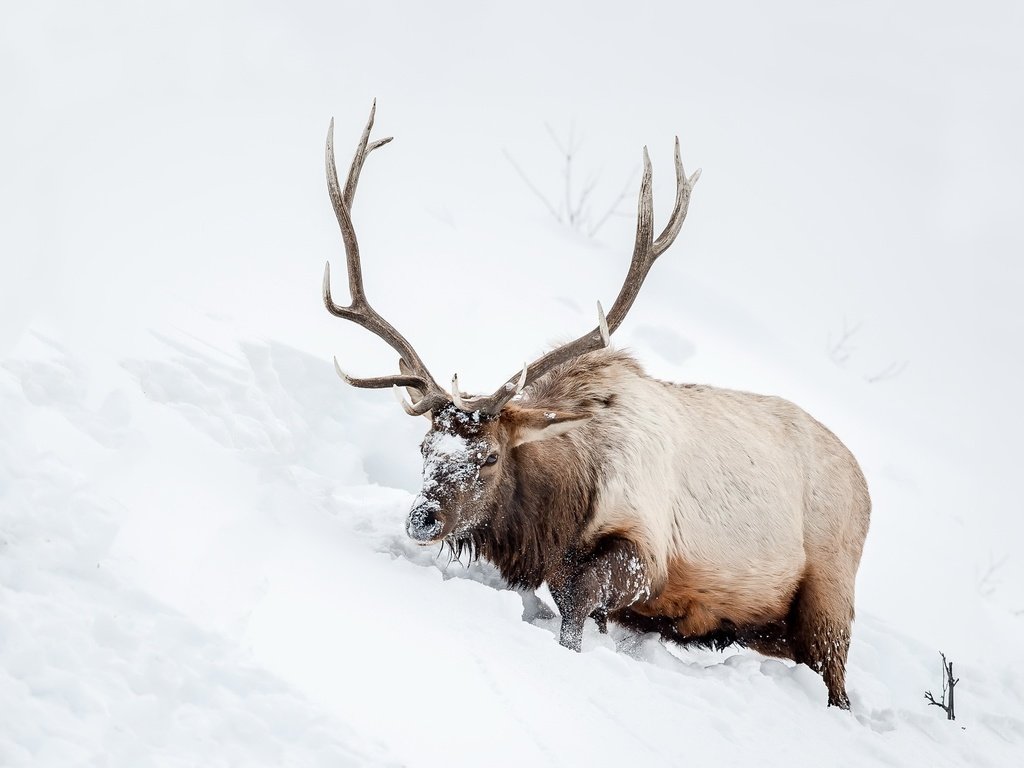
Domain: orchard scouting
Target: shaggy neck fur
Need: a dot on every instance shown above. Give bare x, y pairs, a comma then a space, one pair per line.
549, 497
531, 538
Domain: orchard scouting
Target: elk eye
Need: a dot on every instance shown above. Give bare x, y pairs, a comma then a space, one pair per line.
492, 459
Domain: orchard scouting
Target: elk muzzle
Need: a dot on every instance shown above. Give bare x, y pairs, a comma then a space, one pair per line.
426, 522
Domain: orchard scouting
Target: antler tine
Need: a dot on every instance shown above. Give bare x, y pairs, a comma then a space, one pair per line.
342, 201
362, 151
456, 395
643, 255
360, 311
379, 382
410, 409
602, 325
645, 251
684, 188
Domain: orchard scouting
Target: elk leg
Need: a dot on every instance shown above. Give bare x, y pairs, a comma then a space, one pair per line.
821, 632
613, 577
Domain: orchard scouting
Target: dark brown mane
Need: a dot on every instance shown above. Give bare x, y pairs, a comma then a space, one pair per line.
554, 485
551, 502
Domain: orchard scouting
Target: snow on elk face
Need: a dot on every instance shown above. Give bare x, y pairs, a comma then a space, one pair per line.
471, 467
461, 458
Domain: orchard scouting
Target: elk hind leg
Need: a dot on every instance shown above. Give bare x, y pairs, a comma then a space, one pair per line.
820, 627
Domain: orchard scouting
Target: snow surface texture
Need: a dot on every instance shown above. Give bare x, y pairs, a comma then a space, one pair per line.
202, 550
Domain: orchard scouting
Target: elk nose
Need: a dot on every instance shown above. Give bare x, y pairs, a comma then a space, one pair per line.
425, 520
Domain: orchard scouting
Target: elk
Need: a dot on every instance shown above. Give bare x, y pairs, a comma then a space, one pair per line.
707, 515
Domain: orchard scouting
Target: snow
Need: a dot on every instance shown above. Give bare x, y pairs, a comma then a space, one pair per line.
203, 557
450, 460
448, 445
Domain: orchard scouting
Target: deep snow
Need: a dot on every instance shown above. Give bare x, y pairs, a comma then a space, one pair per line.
202, 548
197, 567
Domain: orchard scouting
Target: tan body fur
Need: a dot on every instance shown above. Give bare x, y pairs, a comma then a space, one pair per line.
748, 515
734, 499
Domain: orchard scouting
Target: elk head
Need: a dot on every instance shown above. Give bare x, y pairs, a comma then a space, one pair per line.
469, 466
470, 451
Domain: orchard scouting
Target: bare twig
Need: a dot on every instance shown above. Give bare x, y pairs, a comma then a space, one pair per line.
948, 684
570, 147
575, 209
540, 195
579, 212
568, 150
988, 582
614, 207
839, 351
891, 371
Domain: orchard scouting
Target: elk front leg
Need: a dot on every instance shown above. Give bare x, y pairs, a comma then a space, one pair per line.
613, 577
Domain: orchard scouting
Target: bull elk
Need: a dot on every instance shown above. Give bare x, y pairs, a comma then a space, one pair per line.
707, 515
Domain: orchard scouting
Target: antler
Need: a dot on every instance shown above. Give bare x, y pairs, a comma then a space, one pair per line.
414, 373
645, 252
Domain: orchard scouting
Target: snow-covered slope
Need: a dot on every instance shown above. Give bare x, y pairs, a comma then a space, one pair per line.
202, 548
198, 565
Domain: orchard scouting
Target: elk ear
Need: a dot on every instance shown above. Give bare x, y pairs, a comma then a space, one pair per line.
531, 424
414, 394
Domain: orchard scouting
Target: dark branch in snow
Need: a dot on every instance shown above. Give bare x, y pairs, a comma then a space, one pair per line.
948, 684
